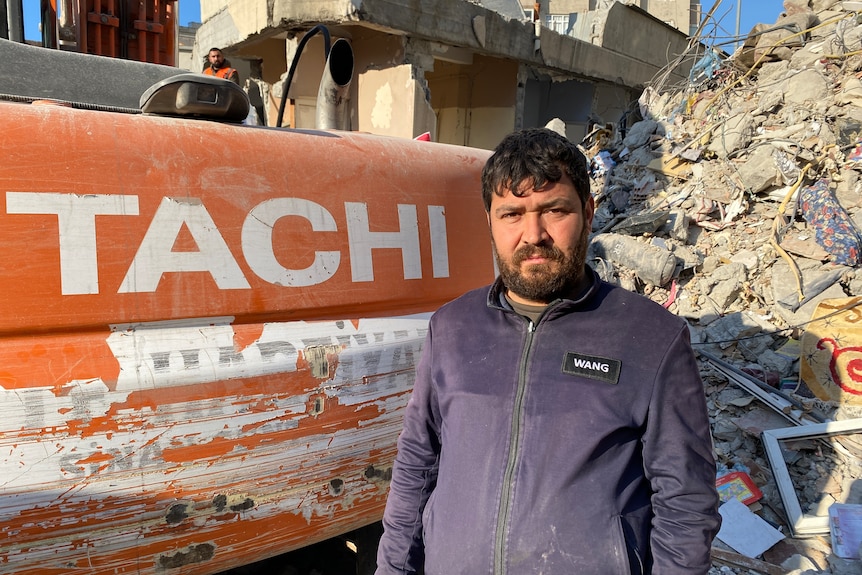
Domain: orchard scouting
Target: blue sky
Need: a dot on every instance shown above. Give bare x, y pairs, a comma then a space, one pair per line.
753, 12
190, 11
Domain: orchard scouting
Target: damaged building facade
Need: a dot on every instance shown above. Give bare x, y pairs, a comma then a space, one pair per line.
465, 72
578, 17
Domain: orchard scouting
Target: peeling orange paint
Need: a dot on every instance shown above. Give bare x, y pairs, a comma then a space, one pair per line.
95, 458
245, 335
238, 394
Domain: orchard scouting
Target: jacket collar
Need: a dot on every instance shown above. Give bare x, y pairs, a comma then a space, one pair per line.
497, 294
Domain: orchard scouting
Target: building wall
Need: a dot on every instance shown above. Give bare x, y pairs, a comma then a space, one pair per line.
210, 7
185, 46
540, 105
388, 104
680, 14
386, 95
629, 32
475, 104
567, 6
531, 5
465, 74
677, 13
394, 93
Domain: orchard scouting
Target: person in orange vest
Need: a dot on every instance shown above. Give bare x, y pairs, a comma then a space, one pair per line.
220, 67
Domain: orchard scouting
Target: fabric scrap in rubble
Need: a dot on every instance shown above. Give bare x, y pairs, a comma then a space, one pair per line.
834, 230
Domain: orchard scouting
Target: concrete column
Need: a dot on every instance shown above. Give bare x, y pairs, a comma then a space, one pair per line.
521, 96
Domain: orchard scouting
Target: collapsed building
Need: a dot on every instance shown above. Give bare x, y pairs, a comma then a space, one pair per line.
465, 72
734, 201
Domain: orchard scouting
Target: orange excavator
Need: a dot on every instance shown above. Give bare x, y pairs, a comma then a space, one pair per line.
208, 329
140, 30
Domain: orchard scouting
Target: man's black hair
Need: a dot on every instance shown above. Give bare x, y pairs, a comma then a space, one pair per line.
538, 155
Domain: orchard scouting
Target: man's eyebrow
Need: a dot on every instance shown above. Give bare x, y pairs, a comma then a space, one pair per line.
508, 208
554, 202
558, 202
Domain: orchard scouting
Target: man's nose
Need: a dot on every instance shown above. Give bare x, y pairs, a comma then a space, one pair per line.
534, 231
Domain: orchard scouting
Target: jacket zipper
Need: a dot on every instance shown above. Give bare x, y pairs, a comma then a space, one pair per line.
514, 447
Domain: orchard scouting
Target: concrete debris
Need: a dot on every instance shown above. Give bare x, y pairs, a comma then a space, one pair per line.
557, 125
735, 201
650, 263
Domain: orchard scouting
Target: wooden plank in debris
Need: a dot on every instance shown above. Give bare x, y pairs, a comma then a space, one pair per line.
673, 166
736, 560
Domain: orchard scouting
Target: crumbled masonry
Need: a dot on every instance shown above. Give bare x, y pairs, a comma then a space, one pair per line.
747, 178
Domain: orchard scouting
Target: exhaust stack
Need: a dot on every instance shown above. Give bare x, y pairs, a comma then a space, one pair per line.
333, 93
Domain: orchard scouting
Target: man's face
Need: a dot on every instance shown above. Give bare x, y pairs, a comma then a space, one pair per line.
540, 240
216, 58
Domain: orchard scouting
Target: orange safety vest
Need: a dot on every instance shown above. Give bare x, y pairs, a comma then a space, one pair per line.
225, 73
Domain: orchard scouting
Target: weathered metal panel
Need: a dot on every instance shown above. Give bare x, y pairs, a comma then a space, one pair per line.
208, 333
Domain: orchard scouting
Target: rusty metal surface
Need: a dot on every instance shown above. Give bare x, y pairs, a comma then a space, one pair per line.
208, 333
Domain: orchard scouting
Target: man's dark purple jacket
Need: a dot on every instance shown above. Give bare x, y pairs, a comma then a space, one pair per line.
579, 445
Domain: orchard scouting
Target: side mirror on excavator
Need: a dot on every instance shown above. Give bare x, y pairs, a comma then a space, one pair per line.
196, 96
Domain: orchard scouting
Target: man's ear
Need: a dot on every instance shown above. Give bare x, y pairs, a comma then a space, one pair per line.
589, 212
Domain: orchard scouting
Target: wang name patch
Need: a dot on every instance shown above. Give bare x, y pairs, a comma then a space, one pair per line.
593, 367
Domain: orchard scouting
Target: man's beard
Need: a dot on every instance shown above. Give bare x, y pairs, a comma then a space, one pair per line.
539, 282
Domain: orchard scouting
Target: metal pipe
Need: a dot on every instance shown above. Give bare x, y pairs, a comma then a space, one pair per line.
333, 93
97, 30
12, 27
4, 21
287, 83
157, 18
142, 32
112, 38
738, 15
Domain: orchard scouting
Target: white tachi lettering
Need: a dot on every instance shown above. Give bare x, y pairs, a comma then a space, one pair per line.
362, 240
156, 256
259, 251
439, 241
76, 215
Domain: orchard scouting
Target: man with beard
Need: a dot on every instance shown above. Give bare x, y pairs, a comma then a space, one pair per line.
558, 424
217, 66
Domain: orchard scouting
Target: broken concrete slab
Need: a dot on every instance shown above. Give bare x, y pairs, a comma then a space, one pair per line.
726, 282
643, 223
851, 92
651, 264
808, 87
732, 135
758, 172
640, 133
676, 226
731, 329
791, 289
757, 420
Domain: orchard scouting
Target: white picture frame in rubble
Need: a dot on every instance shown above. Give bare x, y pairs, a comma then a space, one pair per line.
801, 524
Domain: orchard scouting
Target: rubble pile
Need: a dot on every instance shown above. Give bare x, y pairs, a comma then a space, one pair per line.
736, 202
